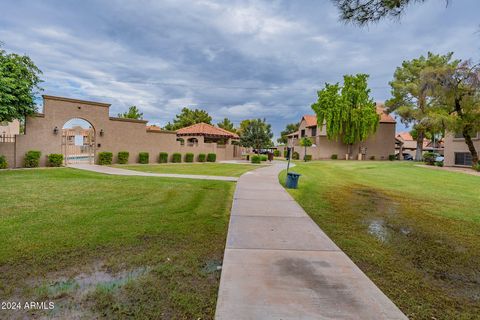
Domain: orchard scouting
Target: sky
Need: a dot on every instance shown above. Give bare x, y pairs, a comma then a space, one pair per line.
235, 59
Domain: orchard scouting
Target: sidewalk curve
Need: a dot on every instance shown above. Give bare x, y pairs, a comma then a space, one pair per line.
126, 172
279, 264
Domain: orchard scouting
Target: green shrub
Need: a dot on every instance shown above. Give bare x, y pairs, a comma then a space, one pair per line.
477, 166
439, 163
55, 160
202, 157
177, 157
123, 157
334, 157
285, 153
372, 157
189, 157
263, 157
143, 157
307, 157
391, 157
163, 157
211, 157
255, 159
105, 158
295, 155
32, 159
429, 158
3, 162
276, 153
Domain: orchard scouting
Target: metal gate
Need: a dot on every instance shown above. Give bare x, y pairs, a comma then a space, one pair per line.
78, 146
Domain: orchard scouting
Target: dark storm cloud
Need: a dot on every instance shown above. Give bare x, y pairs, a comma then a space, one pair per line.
237, 59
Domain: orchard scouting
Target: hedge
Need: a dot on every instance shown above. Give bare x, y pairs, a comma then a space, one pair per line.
429, 158
202, 157
307, 157
255, 159
177, 157
391, 157
32, 159
123, 157
3, 162
163, 157
105, 158
189, 157
263, 158
211, 157
477, 166
276, 153
143, 157
334, 157
285, 153
372, 157
295, 155
55, 160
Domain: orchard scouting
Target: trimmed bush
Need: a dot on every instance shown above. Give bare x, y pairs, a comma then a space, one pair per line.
211, 157
263, 157
255, 159
202, 157
307, 157
295, 155
429, 158
372, 157
391, 157
276, 153
143, 157
3, 162
439, 163
163, 157
123, 157
285, 153
32, 159
189, 157
176, 157
105, 158
477, 166
334, 157
55, 160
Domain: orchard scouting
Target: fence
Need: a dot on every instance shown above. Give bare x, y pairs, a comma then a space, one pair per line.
7, 138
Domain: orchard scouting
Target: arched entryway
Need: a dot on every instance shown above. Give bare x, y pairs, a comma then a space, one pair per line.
78, 141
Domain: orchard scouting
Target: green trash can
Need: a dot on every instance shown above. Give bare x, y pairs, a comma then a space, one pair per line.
292, 180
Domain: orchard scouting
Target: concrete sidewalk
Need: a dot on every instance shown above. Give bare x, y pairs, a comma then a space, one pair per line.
125, 172
278, 264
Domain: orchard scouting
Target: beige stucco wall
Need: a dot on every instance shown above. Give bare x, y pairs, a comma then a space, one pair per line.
10, 128
119, 134
453, 145
380, 145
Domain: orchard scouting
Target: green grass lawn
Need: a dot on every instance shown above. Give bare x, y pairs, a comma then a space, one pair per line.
209, 169
111, 246
414, 231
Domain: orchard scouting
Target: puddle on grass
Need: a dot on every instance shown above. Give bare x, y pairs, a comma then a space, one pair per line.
376, 228
212, 266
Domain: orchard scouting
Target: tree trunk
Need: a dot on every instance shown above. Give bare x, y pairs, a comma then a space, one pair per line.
419, 151
471, 146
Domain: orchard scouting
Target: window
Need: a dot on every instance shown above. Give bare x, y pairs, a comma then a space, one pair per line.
314, 131
458, 135
302, 133
463, 158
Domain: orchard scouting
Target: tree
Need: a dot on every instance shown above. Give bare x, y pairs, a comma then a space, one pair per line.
347, 112
362, 12
290, 128
188, 117
19, 84
412, 95
132, 113
305, 142
457, 90
257, 134
226, 124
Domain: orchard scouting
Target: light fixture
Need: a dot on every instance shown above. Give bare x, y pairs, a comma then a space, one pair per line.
101, 132
55, 130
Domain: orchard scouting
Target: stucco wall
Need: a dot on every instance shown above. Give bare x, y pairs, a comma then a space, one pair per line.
8, 150
119, 134
453, 145
11, 128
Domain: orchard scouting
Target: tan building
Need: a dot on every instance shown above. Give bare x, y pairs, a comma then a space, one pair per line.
48, 132
456, 151
379, 146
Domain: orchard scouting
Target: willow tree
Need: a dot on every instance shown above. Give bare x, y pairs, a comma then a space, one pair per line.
348, 113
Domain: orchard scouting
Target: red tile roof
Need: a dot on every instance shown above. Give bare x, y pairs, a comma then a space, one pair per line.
405, 136
154, 128
311, 120
204, 129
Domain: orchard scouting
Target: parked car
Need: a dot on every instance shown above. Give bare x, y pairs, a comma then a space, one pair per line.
406, 156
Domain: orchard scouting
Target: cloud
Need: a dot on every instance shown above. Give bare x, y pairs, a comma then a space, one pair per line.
236, 59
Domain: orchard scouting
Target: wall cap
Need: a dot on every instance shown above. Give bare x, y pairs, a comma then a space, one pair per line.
93, 103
